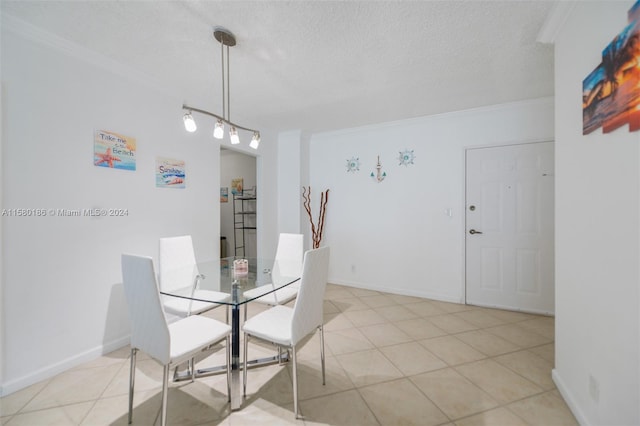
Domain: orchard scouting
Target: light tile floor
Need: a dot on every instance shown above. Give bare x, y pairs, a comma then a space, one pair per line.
391, 360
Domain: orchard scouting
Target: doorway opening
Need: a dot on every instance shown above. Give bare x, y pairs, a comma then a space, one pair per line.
238, 204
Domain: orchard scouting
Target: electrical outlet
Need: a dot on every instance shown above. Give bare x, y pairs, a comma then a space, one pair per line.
594, 388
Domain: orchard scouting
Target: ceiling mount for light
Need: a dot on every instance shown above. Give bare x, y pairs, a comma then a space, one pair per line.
226, 40
224, 36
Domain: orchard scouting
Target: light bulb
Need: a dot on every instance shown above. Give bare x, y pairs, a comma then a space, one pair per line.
218, 131
189, 122
233, 135
255, 140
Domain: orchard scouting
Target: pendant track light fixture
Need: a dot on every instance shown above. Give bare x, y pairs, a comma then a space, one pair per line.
226, 40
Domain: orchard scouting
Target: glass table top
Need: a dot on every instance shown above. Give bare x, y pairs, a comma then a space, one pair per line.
217, 278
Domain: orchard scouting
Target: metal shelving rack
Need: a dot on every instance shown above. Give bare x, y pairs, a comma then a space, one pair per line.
244, 208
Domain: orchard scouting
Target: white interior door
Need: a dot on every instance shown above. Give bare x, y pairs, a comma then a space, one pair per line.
510, 227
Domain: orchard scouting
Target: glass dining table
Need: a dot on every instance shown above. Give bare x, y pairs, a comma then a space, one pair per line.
220, 276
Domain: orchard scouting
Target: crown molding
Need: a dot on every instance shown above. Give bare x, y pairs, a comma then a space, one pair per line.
40, 36
555, 21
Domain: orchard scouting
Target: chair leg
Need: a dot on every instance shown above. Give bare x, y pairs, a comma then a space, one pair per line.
175, 374
192, 368
229, 368
132, 376
165, 391
227, 307
322, 352
295, 382
245, 311
244, 368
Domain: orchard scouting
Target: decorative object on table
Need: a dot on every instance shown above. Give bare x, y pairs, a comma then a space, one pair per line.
379, 175
611, 93
226, 40
236, 186
170, 173
224, 194
114, 150
353, 164
406, 157
240, 267
316, 231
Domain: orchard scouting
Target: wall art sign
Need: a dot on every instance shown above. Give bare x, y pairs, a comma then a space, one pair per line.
224, 194
611, 93
237, 186
170, 173
114, 150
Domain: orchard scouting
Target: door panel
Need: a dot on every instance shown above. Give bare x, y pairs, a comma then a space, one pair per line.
509, 227
492, 268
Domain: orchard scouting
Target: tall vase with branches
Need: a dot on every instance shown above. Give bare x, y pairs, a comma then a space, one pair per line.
316, 230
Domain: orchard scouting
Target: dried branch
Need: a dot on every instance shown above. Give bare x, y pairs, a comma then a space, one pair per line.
316, 234
307, 206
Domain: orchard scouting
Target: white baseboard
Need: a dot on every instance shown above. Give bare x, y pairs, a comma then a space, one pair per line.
401, 292
575, 409
59, 367
510, 308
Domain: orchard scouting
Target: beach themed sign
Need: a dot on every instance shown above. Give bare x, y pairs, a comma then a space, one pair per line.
237, 186
170, 173
114, 150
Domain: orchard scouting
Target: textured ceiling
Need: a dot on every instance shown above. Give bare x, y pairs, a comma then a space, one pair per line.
318, 65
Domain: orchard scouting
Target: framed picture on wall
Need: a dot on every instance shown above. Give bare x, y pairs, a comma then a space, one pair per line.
236, 186
170, 173
114, 150
224, 194
611, 92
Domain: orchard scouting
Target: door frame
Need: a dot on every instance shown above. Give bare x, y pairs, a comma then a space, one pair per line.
463, 234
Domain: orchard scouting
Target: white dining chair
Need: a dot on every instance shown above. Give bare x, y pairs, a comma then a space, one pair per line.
179, 274
168, 344
285, 326
287, 264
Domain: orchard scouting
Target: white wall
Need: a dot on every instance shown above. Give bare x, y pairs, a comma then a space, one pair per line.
63, 302
2, 327
395, 236
289, 182
305, 161
597, 235
233, 165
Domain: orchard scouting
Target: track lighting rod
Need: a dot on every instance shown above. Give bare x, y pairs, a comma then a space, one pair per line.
201, 111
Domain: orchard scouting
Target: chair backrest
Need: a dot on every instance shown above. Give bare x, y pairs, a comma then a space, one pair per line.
289, 254
149, 330
177, 260
308, 310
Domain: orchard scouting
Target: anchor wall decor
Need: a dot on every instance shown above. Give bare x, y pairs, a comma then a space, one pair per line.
379, 174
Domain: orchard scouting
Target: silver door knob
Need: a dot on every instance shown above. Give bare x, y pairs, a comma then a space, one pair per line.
473, 231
